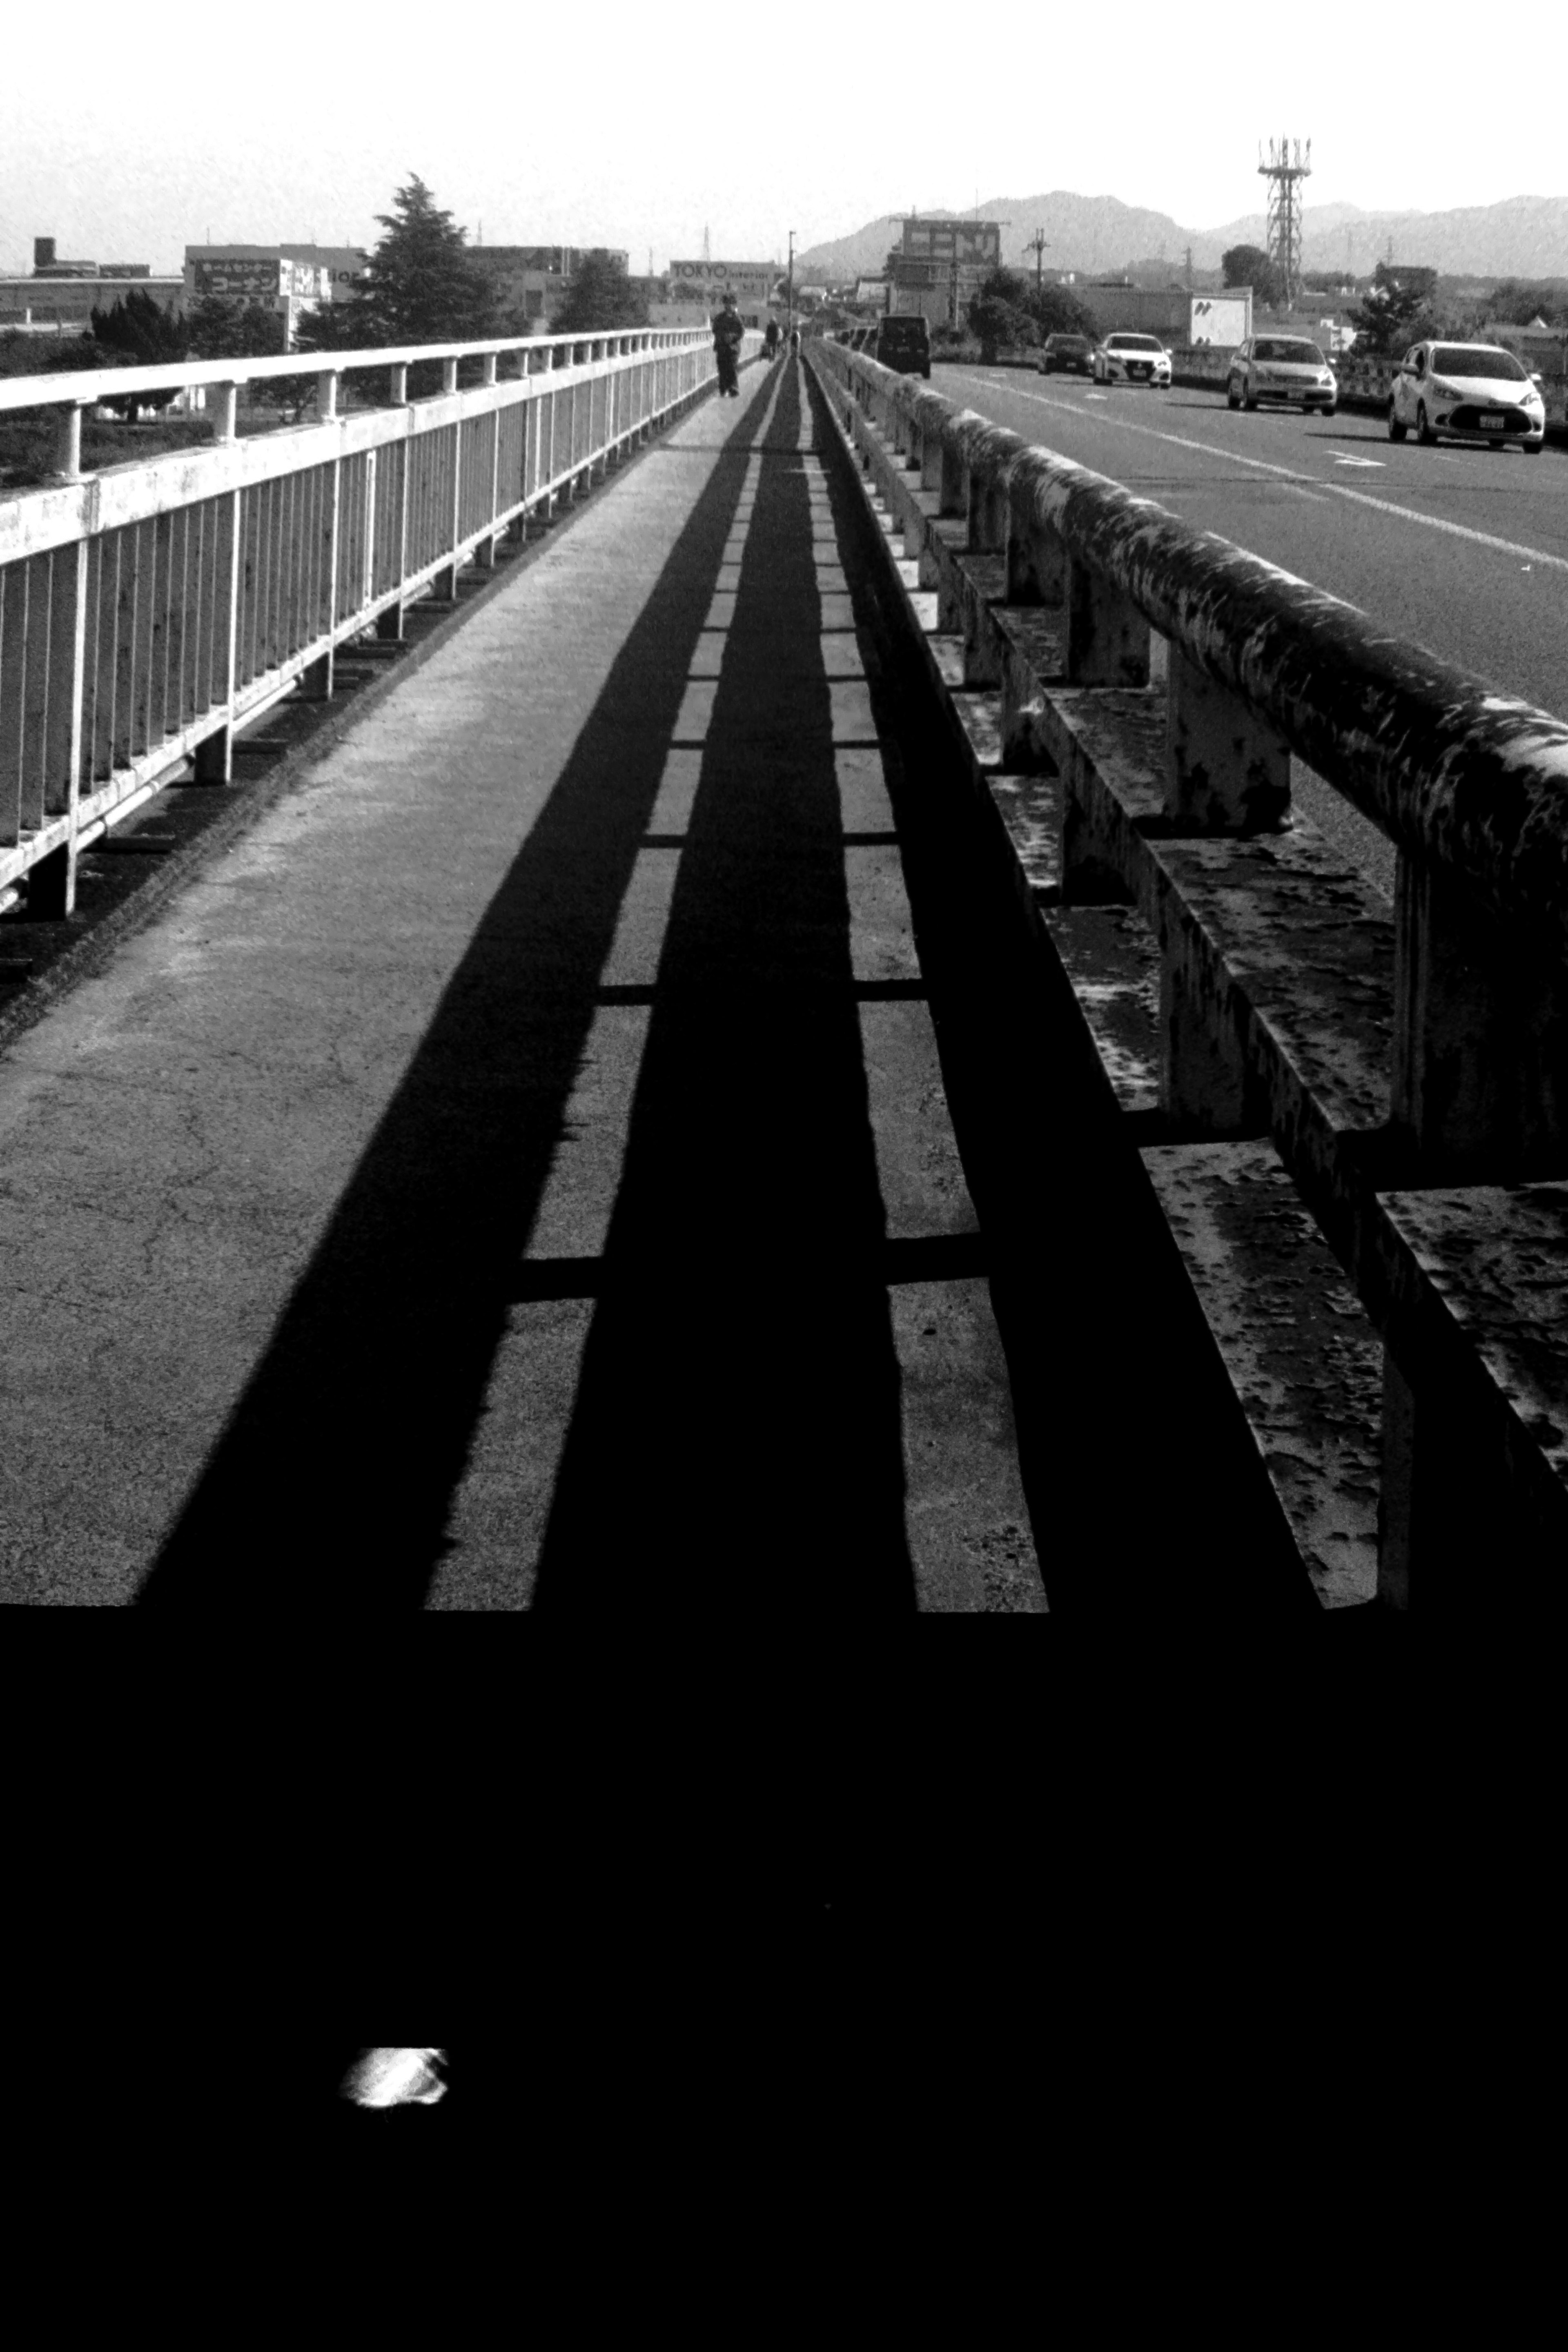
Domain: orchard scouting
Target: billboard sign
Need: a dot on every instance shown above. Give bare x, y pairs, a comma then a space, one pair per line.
1222, 319
750, 282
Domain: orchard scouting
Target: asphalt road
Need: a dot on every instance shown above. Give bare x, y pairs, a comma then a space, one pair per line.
1465, 551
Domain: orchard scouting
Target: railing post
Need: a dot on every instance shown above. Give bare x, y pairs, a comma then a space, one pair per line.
51, 883
67, 441
1226, 770
214, 762
398, 388
326, 396
1480, 1058
1107, 636
225, 414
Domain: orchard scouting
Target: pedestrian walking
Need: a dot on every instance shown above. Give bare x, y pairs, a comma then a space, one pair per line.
771, 339
727, 333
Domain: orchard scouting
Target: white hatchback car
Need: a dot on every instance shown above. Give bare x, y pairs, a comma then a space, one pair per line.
1465, 392
1132, 359
1281, 367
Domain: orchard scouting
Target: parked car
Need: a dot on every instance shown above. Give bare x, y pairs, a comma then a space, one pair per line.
1073, 354
1466, 392
1281, 367
1132, 359
903, 343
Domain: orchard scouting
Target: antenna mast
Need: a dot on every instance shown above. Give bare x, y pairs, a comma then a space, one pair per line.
1285, 172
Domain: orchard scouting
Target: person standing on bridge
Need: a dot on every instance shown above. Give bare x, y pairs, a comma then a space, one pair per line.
727, 333
771, 339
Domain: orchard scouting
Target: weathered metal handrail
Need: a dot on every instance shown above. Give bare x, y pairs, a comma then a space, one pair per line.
147, 610
1470, 784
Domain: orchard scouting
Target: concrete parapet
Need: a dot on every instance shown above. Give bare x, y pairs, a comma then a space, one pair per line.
1137, 688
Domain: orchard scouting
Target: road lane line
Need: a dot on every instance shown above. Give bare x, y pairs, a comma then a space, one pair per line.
1338, 489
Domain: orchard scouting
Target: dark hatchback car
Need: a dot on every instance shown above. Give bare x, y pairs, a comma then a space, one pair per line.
904, 345
1073, 354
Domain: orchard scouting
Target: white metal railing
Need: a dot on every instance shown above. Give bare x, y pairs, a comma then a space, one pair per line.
146, 610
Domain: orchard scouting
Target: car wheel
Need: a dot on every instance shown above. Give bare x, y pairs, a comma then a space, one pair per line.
1396, 430
1328, 412
1495, 445
1424, 432
1530, 449
1249, 398
1232, 397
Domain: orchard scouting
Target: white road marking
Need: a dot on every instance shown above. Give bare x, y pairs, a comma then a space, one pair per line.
1338, 489
1357, 461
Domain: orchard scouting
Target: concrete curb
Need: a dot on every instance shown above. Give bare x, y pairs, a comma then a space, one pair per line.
239, 808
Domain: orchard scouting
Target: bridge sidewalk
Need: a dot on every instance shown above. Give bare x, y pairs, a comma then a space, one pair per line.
519, 1173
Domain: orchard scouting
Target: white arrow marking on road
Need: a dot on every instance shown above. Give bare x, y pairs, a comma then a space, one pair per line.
1336, 489
1357, 461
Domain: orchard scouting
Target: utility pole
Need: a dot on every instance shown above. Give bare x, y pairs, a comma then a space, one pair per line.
789, 292
1189, 269
1038, 248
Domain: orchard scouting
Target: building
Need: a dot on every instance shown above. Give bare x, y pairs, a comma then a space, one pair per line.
275, 276
940, 264
61, 297
531, 281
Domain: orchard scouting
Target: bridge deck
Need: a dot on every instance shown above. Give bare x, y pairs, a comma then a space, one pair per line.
519, 1173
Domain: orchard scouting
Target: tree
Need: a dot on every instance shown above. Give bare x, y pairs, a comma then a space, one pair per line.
422, 285
1057, 311
136, 331
602, 296
1248, 265
222, 328
998, 315
1394, 314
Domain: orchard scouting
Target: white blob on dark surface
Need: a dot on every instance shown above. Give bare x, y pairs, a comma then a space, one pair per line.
393, 2078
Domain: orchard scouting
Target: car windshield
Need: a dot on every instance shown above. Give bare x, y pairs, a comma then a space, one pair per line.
1133, 343
1477, 360
1273, 347
904, 330
1068, 343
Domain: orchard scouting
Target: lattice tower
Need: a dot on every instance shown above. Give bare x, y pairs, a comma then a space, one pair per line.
1286, 169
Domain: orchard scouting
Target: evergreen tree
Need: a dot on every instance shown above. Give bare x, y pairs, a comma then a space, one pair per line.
1392, 315
136, 331
218, 327
602, 296
422, 285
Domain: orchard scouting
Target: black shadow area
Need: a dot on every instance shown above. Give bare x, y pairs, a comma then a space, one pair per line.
332, 1480
736, 1444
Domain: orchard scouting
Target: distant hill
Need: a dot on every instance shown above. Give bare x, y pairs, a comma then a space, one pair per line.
1523, 236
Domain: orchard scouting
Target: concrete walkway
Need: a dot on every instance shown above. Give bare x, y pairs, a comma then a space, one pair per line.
519, 1173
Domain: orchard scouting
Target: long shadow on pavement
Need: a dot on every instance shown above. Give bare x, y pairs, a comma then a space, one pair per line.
736, 1433
736, 1442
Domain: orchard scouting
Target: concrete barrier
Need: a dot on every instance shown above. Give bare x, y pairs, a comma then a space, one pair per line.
147, 611
1126, 693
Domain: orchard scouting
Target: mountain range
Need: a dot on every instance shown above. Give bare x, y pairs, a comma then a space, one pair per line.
1523, 236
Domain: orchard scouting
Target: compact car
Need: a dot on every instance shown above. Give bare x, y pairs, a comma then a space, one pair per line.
1072, 354
1281, 367
1132, 359
1466, 392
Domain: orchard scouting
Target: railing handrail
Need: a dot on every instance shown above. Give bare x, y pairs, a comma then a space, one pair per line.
86, 386
1449, 769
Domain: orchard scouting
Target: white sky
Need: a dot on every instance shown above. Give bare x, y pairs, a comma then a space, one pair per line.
133, 132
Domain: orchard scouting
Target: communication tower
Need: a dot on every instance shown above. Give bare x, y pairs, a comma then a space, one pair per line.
1285, 171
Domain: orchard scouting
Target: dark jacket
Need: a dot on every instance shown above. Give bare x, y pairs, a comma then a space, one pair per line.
728, 329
